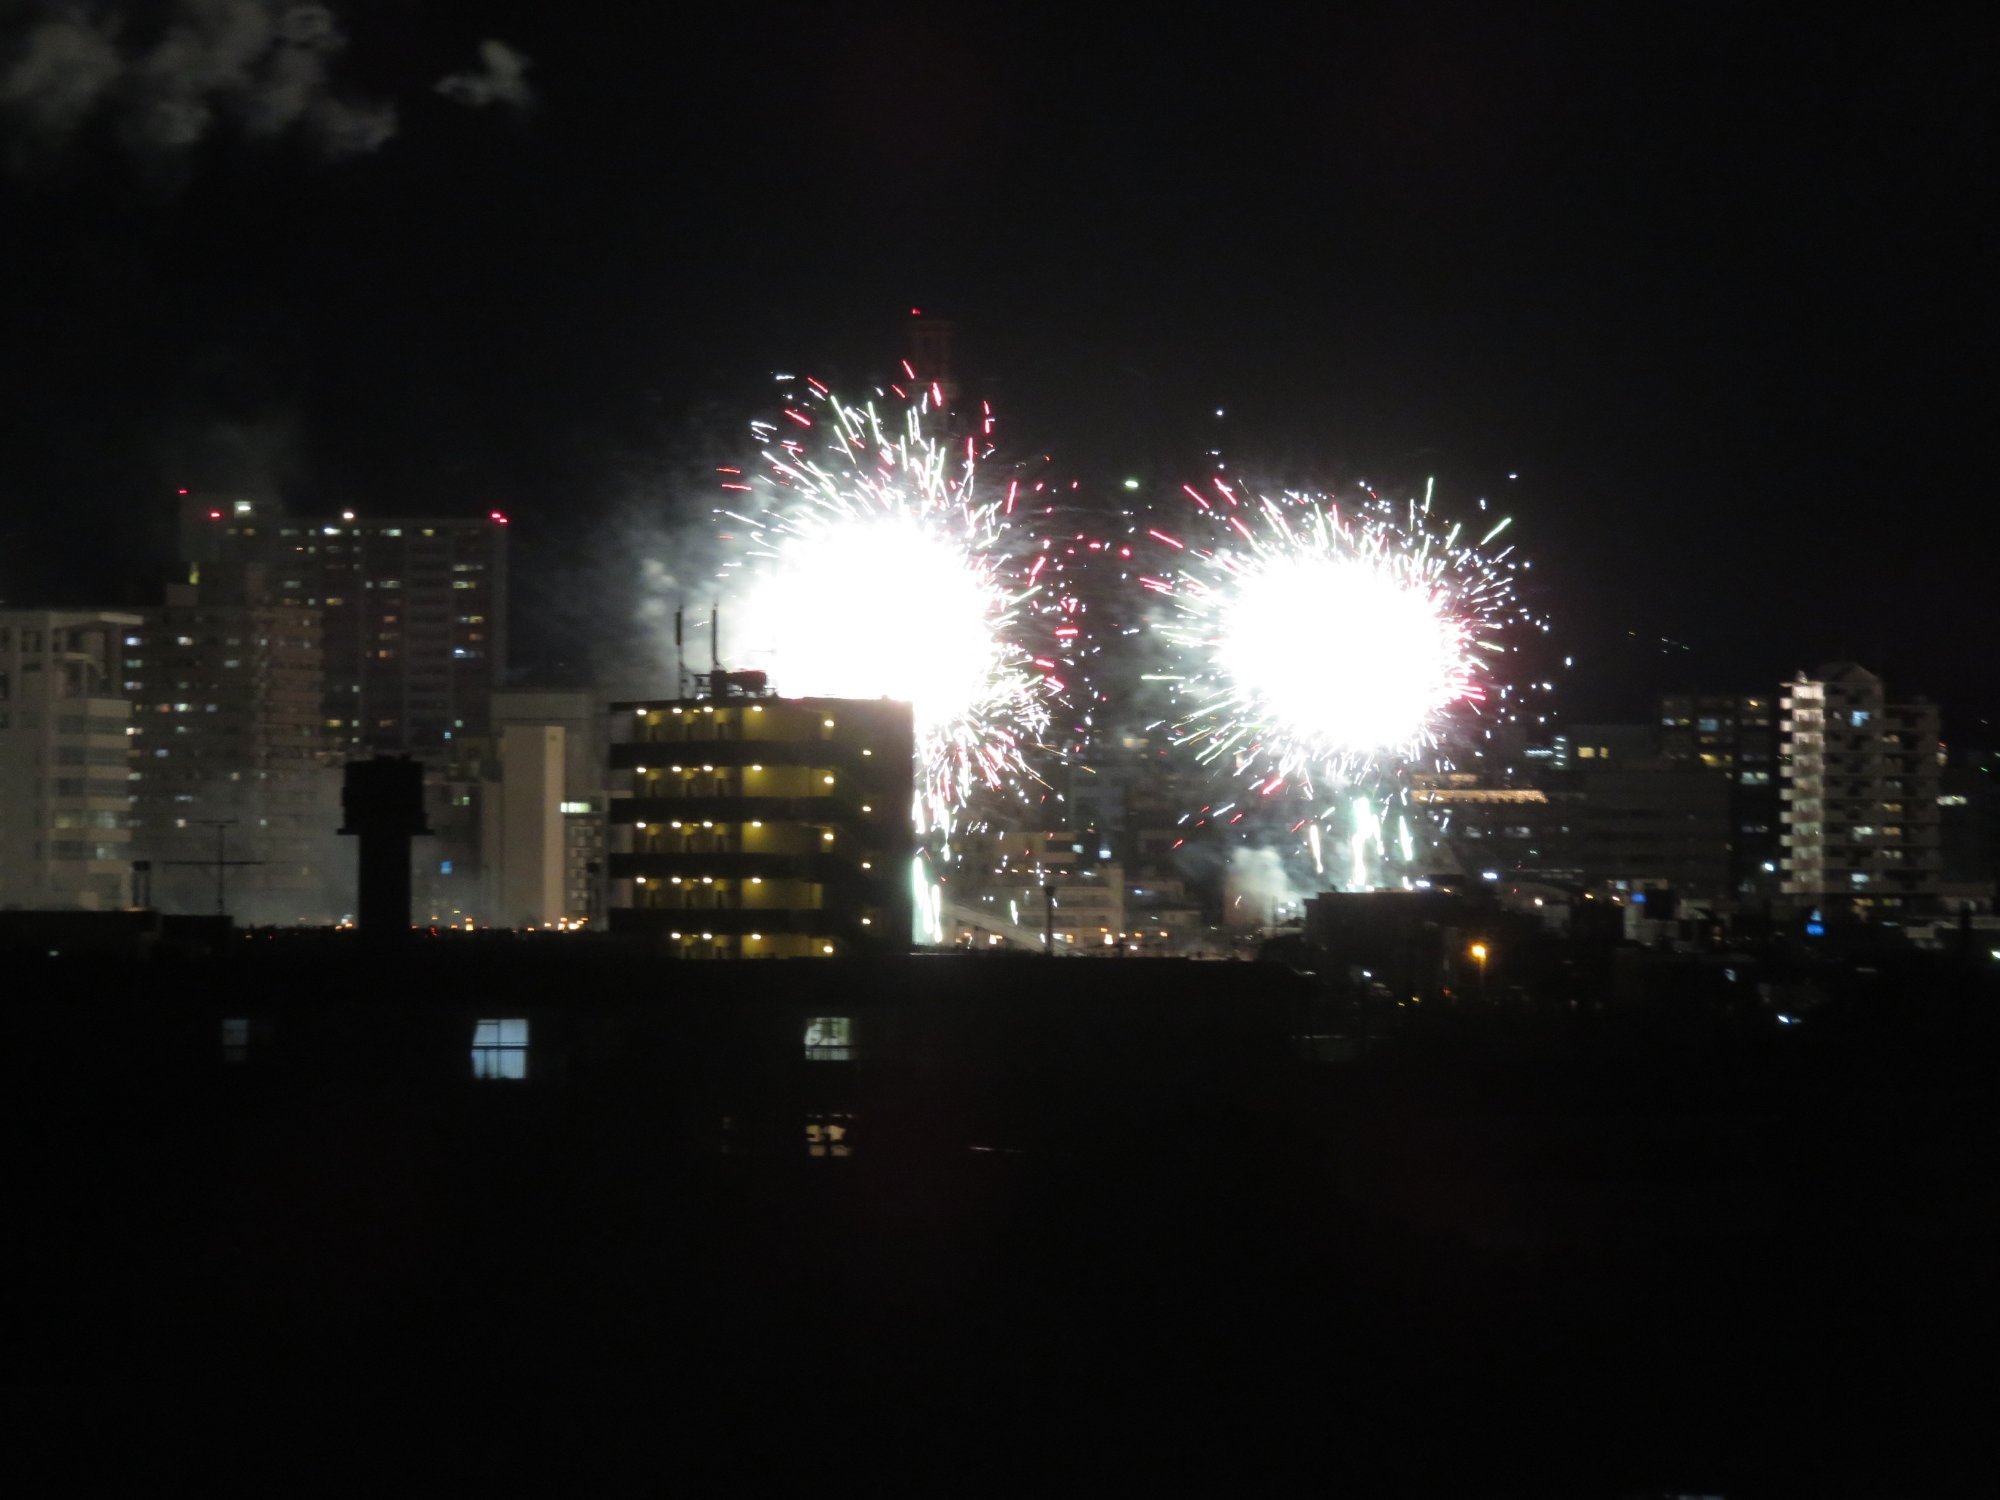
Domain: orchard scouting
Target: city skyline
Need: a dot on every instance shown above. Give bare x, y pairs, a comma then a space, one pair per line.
1019, 744
1701, 282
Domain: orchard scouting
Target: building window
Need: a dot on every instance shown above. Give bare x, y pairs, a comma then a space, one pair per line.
500, 1048
240, 1034
827, 1135
830, 1038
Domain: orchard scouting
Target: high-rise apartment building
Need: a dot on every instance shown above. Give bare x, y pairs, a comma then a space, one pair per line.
228, 732
415, 614
63, 759
1737, 735
1859, 783
749, 826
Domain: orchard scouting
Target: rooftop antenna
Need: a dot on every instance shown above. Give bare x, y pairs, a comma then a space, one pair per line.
715, 636
680, 657
220, 865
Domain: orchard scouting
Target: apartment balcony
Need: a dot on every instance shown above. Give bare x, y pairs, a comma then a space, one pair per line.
630, 755
821, 869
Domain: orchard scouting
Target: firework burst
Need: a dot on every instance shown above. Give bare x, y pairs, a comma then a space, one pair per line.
876, 564
1322, 645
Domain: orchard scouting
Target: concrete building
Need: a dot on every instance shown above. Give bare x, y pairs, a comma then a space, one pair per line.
415, 634
1642, 829
63, 759
1018, 887
1610, 815
228, 729
747, 826
1497, 824
1859, 787
1738, 736
523, 843
1969, 829
541, 798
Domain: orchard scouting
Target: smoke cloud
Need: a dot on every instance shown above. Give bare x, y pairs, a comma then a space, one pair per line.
169, 74
1258, 890
499, 78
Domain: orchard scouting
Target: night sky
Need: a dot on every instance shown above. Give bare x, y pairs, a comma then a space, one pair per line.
1717, 289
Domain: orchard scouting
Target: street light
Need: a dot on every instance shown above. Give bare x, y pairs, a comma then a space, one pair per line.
1479, 957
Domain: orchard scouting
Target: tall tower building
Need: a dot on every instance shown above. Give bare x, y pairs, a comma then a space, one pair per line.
415, 614
229, 729
1859, 785
63, 753
1737, 735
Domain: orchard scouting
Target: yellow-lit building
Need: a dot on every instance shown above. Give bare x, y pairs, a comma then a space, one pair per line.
761, 827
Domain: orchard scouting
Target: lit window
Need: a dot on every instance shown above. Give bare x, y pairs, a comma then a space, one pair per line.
500, 1048
827, 1134
830, 1038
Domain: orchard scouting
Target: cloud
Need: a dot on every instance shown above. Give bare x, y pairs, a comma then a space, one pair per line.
500, 78
65, 67
169, 73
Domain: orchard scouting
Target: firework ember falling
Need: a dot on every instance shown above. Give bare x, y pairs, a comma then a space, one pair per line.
876, 566
1322, 645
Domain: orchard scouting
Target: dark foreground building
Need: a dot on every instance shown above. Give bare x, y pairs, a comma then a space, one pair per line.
962, 1222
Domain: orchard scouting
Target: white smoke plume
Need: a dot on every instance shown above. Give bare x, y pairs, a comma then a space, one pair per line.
1257, 891
499, 78
169, 73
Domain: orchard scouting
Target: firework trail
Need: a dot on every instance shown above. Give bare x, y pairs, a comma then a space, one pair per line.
1323, 648
877, 563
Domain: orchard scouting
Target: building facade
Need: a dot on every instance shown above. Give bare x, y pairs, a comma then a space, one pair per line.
541, 796
64, 754
1608, 814
415, 614
750, 826
1859, 790
1738, 736
228, 732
